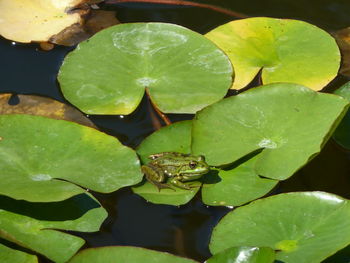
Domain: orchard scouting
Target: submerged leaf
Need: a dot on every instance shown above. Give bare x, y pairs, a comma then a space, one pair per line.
288, 123
285, 50
42, 106
182, 70
126, 254
35, 225
342, 133
304, 227
43, 159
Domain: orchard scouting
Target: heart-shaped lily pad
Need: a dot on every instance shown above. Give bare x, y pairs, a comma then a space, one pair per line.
237, 186
35, 225
15, 256
36, 20
182, 70
342, 133
304, 227
43, 159
126, 254
247, 254
288, 122
286, 50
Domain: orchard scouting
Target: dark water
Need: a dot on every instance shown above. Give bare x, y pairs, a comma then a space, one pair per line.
181, 230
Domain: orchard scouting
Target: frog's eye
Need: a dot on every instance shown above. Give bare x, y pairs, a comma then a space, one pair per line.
193, 164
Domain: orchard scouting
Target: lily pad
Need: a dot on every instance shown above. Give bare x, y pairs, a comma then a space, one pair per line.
237, 186
247, 254
285, 50
35, 225
182, 70
288, 123
14, 256
126, 254
42, 106
342, 133
43, 159
172, 138
304, 227
37, 20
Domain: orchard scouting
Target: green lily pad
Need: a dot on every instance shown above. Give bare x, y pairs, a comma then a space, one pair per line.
172, 138
285, 50
244, 255
15, 256
126, 254
305, 227
342, 133
236, 186
182, 70
289, 123
35, 225
43, 159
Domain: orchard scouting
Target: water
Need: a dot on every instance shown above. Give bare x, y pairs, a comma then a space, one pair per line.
181, 230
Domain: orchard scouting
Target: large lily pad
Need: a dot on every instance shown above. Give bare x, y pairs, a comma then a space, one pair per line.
43, 159
237, 186
35, 225
304, 227
288, 122
126, 254
36, 20
342, 133
182, 70
244, 255
172, 138
14, 256
286, 50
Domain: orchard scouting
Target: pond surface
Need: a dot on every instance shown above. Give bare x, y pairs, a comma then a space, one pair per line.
181, 230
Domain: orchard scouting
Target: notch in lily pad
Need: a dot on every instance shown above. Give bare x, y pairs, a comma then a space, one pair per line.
182, 70
285, 50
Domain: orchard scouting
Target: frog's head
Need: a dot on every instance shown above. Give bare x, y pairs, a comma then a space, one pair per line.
196, 165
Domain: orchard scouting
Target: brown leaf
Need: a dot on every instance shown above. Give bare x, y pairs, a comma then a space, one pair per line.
343, 39
42, 106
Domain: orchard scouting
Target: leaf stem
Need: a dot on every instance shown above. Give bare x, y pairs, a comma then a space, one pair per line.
183, 3
160, 114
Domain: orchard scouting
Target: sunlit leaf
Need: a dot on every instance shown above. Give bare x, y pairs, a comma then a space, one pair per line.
342, 133
37, 20
38, 152
126, 254
235, 187
285, 50
304, 227
47, 107
35, 225
15, 256
288, 122
182, 70
244, 255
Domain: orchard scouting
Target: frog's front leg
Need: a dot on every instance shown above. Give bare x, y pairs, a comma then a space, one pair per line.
176, 180
155, 176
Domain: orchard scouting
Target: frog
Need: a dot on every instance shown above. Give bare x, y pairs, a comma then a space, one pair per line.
175, 169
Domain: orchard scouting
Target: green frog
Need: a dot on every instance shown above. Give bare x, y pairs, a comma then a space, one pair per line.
174, 168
